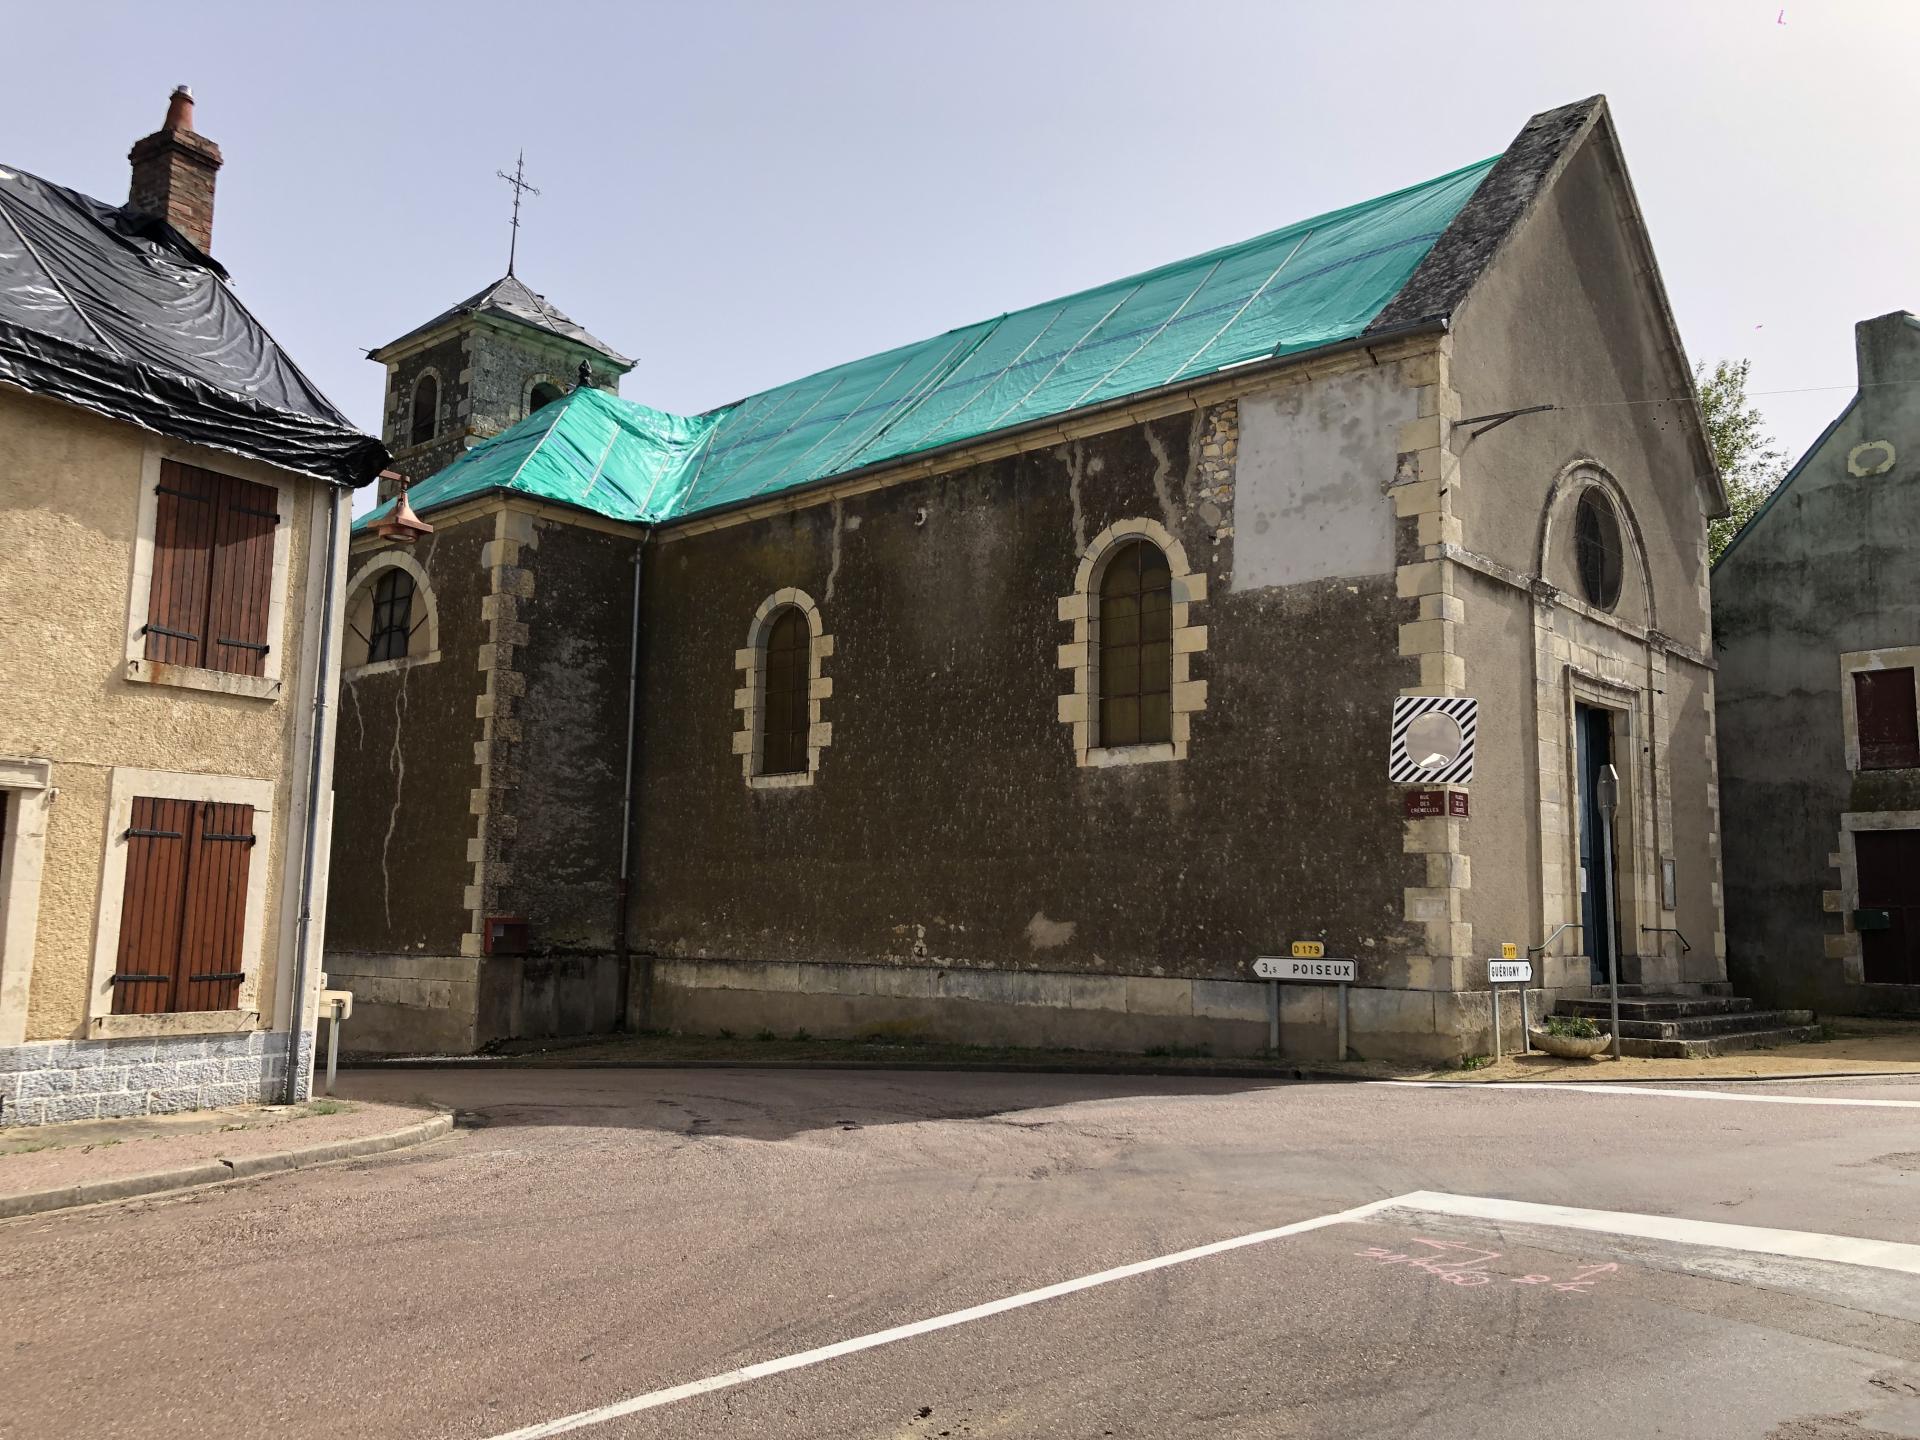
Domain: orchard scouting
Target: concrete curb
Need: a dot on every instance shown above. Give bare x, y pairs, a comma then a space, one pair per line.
216, 1172
1304, 1071
515, 1062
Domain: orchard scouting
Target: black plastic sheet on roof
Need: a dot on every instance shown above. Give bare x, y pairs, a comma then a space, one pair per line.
118, 313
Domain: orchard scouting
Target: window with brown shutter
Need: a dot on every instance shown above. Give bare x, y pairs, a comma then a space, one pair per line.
212, 587
183, 907
1888, 716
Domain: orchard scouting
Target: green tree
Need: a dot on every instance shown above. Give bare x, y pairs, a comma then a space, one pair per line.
1750, 462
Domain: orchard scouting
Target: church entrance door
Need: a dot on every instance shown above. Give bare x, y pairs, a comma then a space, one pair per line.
1599, 892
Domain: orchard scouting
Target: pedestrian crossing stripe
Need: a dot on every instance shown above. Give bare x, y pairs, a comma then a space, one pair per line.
1404, 769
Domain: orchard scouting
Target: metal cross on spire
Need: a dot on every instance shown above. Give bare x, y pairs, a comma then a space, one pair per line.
520, 186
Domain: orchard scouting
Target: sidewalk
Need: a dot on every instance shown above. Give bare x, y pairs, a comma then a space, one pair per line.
1855, 1047
51, 1167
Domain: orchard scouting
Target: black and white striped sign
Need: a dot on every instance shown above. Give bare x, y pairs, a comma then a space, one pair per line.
1404, 768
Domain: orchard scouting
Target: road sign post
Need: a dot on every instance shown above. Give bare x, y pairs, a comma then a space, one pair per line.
1509, 972
1308, 962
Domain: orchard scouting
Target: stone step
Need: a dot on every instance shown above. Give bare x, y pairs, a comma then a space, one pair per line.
1658, 1007
1698, 1027
1706, 1045
1691, 991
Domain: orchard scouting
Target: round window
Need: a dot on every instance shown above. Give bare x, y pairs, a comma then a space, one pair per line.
1596, 548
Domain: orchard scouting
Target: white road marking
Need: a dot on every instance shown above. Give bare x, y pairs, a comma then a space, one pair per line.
1751, 1239
1610, 1089
654, 1399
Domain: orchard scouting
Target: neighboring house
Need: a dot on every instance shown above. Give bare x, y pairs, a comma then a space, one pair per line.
1818, 600
1025, 684
173, 515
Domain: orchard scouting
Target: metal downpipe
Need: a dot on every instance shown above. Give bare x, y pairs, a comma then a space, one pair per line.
625, 888
316, 763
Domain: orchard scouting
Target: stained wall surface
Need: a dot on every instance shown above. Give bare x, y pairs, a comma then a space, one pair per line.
948, 824
70, 492
1568, 318
1828, 569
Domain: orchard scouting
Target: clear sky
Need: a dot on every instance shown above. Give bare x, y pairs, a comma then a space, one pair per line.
742, 191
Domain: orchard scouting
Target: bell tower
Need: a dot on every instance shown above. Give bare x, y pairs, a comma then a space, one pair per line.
480, 367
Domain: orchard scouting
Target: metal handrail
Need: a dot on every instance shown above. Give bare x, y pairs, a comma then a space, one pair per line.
1541, 948
1667, 930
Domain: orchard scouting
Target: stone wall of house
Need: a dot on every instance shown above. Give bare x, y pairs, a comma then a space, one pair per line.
87, 723
1824, 579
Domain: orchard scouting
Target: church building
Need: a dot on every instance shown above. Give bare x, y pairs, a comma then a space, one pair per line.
1028, 683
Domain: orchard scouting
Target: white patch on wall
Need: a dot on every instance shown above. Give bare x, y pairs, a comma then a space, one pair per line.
1310, 486
1873, 458
1045, 934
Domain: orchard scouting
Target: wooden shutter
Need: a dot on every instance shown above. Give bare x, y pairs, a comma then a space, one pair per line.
152, 902
216, 908
242, 589
212, 586
183, 911
183, 531
1888, 715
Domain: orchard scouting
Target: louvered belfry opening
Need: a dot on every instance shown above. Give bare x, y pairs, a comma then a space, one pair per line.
212, 584
783, 734
426, 411
1136, 647
183, 908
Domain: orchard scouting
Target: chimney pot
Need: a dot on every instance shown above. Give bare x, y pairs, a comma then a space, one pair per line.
179, 109
173, 172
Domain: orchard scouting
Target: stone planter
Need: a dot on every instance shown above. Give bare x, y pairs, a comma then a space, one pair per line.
1570, 1047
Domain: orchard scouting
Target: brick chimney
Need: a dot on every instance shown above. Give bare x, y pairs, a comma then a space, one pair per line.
173, 173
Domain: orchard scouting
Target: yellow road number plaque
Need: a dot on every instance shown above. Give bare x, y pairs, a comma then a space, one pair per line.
1308, 949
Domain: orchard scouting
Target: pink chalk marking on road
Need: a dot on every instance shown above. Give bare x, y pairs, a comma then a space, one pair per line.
1470, 1270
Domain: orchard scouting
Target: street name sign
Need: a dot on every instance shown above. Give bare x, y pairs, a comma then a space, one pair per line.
1288, 967
1509, 972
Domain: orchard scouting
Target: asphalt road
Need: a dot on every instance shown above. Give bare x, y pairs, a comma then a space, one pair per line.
597, 1252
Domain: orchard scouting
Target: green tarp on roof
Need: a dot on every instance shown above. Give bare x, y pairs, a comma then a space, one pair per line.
1314, 283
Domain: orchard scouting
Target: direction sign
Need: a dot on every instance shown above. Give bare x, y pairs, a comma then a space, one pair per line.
1509, 972
1308, 949
1287, 967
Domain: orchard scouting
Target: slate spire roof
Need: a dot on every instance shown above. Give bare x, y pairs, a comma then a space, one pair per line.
1400, 262
509, 298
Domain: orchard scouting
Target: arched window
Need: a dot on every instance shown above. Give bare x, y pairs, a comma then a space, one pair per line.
393, 622
784, 714
1597, 548
426, 411
1136, 647
542, 395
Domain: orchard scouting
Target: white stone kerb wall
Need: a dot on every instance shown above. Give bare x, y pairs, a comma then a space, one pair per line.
60, 1080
